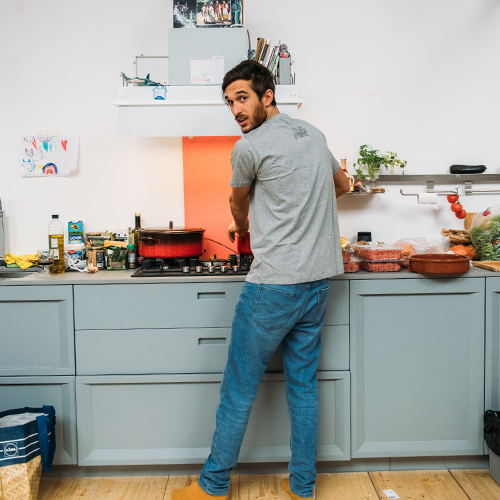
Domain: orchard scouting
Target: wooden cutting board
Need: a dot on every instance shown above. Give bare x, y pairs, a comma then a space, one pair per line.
491, 265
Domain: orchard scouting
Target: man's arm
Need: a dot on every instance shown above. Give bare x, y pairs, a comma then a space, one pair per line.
238, 202
341, 183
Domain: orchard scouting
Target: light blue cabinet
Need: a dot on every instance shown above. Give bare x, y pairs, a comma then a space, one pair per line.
492, 368
36, 330
170, 419
417, 367
59, 392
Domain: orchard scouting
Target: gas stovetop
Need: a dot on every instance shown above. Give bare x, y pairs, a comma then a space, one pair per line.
236, 265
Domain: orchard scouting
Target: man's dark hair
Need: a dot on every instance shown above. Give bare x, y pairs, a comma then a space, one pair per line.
259, 76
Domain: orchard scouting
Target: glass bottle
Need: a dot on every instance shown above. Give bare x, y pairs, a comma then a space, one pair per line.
56, 243
343, 166
137, 226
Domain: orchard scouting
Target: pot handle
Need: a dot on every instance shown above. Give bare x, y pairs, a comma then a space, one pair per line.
148, 240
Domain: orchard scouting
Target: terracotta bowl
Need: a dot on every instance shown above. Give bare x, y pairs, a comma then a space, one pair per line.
436, 263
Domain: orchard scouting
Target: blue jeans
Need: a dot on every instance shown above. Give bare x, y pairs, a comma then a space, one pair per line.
265, 316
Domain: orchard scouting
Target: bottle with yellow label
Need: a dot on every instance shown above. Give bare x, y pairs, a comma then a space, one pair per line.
56, 243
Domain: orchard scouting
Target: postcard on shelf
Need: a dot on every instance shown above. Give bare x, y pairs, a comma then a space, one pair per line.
207, 72
207, 14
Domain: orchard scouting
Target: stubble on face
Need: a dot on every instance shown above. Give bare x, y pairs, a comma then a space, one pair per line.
249, 111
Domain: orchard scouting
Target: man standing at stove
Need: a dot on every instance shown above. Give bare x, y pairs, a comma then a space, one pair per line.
286, 181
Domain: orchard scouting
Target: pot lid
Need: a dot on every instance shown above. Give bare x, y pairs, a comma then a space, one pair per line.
170, 230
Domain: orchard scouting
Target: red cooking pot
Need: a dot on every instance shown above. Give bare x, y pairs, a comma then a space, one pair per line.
243, 245
170, 242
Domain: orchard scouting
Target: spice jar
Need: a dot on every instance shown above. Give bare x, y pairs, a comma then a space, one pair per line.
131, 256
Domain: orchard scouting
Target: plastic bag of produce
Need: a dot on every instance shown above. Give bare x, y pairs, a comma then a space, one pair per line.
492, 430
116, 258
417, 246
485, 233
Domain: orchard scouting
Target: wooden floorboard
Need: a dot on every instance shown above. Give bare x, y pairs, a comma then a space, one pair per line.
477, 483
410, 485
257, 487
345, 486
177, 482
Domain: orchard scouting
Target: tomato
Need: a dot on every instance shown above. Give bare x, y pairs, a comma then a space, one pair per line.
452, 198
456, 207
460, 215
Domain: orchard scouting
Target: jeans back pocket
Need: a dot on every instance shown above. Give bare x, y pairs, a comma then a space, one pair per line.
319, 313
273, 307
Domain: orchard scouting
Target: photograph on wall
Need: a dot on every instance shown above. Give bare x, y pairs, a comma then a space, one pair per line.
207, 13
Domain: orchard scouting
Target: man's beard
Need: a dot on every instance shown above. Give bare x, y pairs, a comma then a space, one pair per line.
258, 117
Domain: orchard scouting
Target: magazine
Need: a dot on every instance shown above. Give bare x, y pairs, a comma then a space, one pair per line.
208, 13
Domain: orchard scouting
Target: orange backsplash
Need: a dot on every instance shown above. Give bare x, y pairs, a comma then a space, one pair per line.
207, 172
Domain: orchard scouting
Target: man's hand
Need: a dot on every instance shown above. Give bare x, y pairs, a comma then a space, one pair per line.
341, 183
233, 229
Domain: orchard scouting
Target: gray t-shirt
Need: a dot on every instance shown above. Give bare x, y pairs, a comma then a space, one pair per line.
294, 231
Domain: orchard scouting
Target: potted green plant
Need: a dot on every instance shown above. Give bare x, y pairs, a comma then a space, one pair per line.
371, 160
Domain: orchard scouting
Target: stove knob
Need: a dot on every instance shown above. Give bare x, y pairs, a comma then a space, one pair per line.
199, 269
193, 261
223, 269
211, 263
236, 269
211, 269
186, 269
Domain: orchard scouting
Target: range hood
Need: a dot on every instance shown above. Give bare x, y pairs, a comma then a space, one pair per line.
195, 110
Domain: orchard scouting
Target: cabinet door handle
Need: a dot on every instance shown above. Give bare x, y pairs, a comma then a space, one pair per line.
212, 295
212, 341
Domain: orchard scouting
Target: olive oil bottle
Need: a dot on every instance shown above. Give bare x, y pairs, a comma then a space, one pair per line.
56, 243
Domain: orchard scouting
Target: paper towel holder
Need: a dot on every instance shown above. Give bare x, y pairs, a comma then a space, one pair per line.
430, 189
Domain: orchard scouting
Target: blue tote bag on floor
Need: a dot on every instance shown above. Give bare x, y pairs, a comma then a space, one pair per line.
26, 433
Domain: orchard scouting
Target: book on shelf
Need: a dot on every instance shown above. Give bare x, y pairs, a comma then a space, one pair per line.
260, 45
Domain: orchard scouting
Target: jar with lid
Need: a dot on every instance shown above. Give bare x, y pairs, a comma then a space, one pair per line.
131, 256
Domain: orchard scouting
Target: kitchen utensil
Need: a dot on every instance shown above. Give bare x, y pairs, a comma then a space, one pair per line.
490, 265
170, 242
433, 263
243, 245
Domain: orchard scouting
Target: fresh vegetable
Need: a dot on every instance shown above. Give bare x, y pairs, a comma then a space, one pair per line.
462, 250
456, 207
452, 198
460, 215
486, 239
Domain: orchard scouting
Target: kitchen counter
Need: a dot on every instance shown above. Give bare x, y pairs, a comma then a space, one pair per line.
124, 277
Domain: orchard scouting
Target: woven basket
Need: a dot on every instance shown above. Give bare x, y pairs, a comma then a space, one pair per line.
21, 481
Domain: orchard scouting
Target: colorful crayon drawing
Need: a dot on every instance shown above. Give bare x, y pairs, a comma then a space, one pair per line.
47, 155
49, 169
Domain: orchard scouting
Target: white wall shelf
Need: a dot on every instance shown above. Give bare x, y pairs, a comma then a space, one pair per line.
186, 111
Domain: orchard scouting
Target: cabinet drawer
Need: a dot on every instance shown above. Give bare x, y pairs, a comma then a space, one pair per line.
337, 303
334, 350
182, 350
36, 330
59, 392
122, 352
160, 305
134, 420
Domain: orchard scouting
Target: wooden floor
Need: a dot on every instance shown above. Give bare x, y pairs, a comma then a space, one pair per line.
473, 484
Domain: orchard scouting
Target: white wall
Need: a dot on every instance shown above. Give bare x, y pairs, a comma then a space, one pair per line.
420, 77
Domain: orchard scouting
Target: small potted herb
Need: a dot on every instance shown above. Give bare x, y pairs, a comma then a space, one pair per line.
370, 160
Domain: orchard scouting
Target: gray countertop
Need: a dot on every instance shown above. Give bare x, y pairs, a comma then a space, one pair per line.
124, 277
